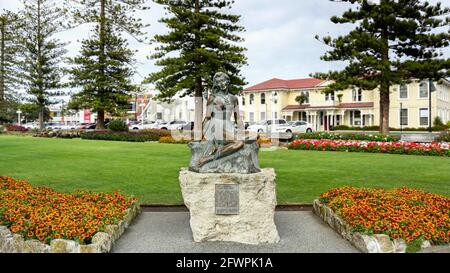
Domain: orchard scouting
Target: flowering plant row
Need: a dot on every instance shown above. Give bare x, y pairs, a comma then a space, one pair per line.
399, 147
44, 214
408, 214
348, 136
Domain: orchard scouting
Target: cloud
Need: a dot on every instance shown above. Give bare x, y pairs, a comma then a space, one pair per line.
279, 36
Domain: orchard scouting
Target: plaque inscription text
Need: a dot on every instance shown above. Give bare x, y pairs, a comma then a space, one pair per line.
227, 199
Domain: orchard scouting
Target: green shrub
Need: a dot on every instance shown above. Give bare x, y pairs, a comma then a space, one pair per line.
171, 140
365, 128
377, 128
140, 136
444, 136
118, 126
348, 136
438, 122
58, 133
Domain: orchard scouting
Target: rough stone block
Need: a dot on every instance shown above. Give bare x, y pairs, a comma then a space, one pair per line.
34, 246
257, 200
384, 243
64, 246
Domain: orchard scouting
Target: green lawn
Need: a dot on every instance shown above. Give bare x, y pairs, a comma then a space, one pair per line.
150, 170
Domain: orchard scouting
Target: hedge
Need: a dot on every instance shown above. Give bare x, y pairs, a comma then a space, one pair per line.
141, 136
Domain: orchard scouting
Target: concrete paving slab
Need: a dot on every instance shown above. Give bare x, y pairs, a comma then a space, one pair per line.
169, 232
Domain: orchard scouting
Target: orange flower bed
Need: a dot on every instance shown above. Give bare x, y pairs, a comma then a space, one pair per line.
407, 214
43, 214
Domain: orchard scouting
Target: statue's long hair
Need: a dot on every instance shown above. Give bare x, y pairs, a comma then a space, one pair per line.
215, 88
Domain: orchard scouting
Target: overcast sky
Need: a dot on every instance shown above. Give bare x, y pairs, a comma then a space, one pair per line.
279, 36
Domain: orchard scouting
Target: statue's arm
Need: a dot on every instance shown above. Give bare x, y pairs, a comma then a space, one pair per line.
208, 110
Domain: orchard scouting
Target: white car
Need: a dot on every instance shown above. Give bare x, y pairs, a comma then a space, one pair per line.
70, 127
295, 127
265, 126
31, 125
142, 126
173, 125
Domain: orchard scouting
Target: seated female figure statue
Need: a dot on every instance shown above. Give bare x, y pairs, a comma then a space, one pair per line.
223, 135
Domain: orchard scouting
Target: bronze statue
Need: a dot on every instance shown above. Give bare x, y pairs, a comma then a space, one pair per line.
223, 129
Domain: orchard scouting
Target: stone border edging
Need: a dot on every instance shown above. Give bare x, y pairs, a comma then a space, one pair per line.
378, 243
102, 242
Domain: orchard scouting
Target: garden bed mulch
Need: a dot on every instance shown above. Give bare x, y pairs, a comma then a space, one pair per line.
41, 220
387, 221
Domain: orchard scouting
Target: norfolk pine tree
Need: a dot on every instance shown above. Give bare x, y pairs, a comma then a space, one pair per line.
9, 63
393, 42
201, 41
43, 54
104, 68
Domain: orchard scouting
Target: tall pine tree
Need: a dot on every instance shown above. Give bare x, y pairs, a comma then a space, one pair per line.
43, 54
103, 70
9, 64
105, 84
393, 42
201, 41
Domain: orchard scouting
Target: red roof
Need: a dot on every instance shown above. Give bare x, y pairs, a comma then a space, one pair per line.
285, 84
341, 105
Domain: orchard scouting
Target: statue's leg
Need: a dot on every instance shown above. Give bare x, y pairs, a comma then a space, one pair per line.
231, 148
208, 157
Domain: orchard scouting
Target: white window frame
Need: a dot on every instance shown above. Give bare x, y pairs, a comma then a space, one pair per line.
357, 94
251, 116
400, 117
306, 94
330, 96
252, 99
261, 116
428, 116
428, 90
407, 92
261, 96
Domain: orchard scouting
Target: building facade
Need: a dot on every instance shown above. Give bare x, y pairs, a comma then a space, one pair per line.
354, 107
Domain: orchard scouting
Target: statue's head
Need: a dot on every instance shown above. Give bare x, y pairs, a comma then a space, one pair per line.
221, 82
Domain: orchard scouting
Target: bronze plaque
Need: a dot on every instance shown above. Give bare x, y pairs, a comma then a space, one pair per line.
227, 199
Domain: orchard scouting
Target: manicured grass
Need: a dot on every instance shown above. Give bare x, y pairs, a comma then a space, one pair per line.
150, 170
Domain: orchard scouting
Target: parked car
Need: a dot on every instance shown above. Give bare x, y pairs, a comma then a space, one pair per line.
295, 127
31, 125
70, 127
188, 126
265, 126
52, 126
247, 124
142, 126
174, 125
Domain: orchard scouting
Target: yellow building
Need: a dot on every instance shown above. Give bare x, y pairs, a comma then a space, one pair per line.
353, 107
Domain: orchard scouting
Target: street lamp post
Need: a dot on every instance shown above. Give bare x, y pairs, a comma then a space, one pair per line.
142, 112
274, 109
401, 123
18, 118
430, 83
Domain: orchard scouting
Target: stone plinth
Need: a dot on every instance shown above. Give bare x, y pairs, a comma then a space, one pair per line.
254, 223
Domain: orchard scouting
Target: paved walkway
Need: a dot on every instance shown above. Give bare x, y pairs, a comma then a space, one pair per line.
169, 232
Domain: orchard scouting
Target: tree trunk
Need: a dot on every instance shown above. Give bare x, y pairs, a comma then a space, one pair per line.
198, 122
198, 126
384, 109
100, 119
41, 118
385, 84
